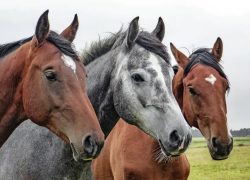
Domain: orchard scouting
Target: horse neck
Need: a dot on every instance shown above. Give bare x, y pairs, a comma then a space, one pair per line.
100, 92
11, 111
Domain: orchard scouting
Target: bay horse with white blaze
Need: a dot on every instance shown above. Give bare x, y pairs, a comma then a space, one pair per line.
200, 88
129, 77
129, 153
42, 79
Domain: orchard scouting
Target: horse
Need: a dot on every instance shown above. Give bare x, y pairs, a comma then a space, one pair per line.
204, 85
129, 153
129, 77
42, 79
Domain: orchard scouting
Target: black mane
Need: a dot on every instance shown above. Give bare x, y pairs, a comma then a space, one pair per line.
62, 44
9, 47
99, 48
203, 56
144, 39
152, 44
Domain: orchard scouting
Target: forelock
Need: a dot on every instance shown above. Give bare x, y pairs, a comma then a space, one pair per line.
203, 56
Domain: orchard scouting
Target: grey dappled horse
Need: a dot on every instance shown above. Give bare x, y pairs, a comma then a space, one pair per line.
129, 77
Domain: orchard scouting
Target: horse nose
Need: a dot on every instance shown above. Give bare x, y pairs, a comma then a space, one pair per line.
175, 139
218, 145
91, 146
215, 142
221, 151
179, 143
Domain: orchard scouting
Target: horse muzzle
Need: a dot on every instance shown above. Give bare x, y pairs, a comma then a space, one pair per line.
176, 144
89, 149
219, 151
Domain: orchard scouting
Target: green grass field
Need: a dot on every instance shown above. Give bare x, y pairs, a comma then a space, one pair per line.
237, 166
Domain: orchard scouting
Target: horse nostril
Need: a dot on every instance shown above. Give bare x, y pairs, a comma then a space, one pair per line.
214, 142
175, 138
89, 145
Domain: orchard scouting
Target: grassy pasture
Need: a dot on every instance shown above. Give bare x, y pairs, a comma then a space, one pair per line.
237, 166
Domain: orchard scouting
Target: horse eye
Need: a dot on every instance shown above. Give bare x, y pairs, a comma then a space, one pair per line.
50, 75
137, 78
192, 91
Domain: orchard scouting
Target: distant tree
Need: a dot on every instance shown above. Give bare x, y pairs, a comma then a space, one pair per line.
235, 133
241, 133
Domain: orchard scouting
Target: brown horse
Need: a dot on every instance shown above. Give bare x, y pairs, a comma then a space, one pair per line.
130, 154
42, 79
200, 89
200, 86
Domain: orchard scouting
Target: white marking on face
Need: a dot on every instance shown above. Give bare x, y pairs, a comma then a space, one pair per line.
69, 62
211, 79
172, 103
121, 64
156, 66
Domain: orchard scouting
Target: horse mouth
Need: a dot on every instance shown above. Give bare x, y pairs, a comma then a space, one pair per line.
217, 154
218, 158
79, 156
168, 154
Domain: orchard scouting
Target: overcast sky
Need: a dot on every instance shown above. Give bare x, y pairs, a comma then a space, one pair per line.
189, 23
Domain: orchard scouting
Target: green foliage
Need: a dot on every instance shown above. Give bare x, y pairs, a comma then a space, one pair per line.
237, 166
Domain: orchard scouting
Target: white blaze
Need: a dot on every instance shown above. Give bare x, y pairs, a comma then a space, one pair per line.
157, 67
172, 102
69, 62
123, 60
211, 79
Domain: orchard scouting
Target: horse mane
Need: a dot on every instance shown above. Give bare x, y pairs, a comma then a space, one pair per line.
144, 39
61, 43
203, 56
100, 47
9, 47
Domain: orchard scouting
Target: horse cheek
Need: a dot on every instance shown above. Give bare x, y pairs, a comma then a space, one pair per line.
35, 101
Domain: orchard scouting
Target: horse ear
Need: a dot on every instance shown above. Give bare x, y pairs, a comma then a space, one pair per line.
181, 59
159, 31
133, 32
42, 29
218, 49
70, 32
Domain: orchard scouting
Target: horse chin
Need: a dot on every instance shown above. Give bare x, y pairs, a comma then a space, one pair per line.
217, 157
163, 156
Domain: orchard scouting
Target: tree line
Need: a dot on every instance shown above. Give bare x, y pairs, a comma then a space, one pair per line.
235, 133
